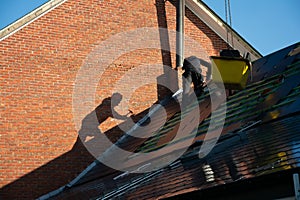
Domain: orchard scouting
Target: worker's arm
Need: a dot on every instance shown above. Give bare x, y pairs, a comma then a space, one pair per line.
116, 115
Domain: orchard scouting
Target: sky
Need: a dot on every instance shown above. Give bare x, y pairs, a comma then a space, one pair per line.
11, 10
268, 25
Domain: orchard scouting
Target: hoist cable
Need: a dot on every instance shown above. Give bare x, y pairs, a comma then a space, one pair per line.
229, 22
226, 19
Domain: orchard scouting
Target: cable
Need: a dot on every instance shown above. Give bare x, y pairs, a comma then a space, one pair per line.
226, 19
229, 22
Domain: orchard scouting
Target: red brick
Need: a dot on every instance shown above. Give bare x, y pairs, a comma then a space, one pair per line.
38, 68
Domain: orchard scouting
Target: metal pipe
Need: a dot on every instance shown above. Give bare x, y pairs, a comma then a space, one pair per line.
296, 186
180, 13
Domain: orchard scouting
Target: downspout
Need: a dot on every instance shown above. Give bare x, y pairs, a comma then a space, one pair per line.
180, 13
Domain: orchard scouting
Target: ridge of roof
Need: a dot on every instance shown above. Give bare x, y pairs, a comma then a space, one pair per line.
29, 18
220, 27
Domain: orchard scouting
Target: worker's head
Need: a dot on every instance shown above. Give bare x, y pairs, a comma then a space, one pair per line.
191, 61
116, 98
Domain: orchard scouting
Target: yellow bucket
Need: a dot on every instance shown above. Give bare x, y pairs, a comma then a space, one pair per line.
231, 71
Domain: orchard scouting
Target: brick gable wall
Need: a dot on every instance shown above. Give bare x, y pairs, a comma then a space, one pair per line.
39, 145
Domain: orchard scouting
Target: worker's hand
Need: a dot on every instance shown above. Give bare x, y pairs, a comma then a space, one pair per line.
129, 113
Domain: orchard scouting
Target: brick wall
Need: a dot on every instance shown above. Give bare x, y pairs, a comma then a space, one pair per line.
39, 146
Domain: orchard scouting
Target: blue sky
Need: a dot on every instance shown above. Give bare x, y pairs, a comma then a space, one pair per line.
268, 25
11, 10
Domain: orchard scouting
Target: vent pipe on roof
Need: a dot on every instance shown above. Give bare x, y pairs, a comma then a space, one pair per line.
180, 13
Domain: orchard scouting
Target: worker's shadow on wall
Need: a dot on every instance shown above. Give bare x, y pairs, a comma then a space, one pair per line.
90, 133
66, 167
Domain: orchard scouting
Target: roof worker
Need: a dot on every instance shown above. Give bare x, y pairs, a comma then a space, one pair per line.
192, 74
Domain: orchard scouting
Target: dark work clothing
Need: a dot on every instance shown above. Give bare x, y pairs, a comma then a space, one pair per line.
192, 74
192, 64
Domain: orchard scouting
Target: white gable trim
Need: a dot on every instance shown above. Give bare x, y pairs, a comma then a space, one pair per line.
29, 18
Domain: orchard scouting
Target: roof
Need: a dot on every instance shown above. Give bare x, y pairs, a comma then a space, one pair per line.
259, 137
243, 156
